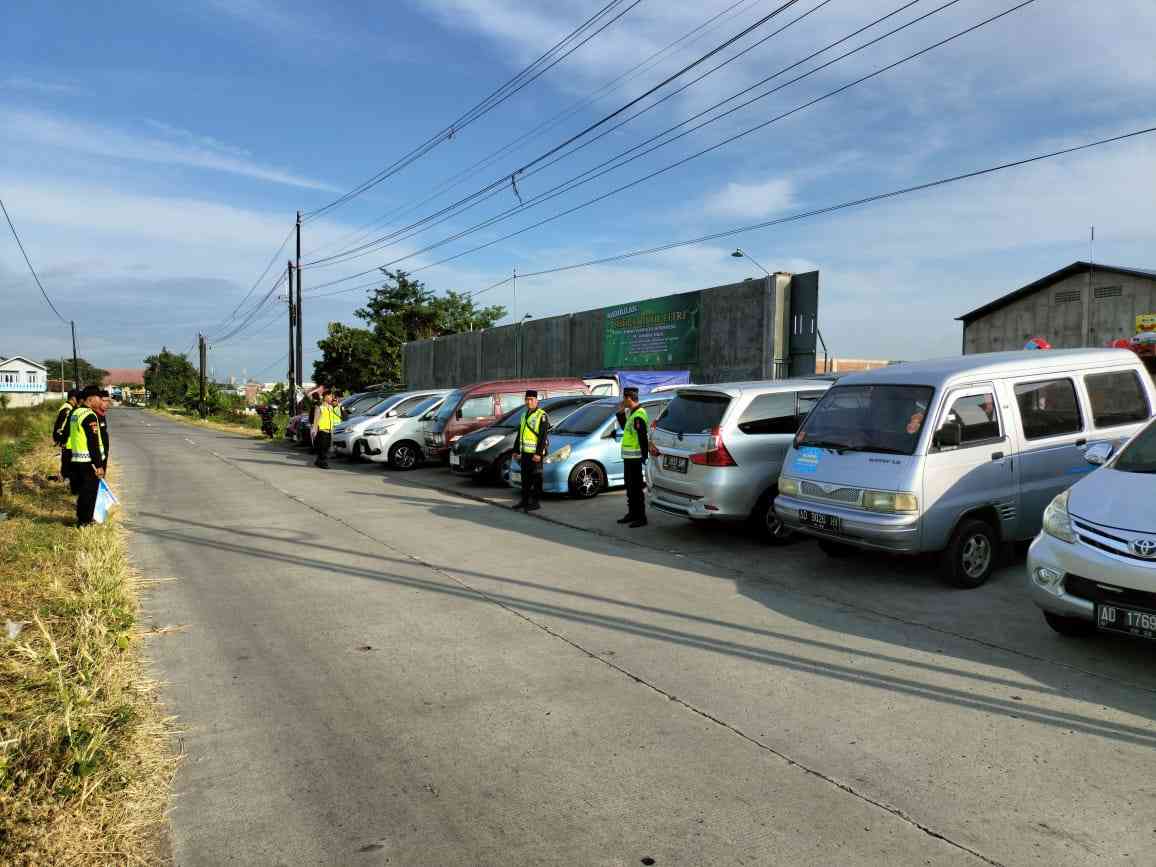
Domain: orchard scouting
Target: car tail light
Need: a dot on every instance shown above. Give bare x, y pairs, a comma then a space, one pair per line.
715, 456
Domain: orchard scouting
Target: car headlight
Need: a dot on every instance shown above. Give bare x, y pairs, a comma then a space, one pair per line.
560, 455
1057, 521
891, 502
489, 442
788, 486
379, 431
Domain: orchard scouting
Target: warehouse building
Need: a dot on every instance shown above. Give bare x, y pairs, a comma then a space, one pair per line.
1080, 305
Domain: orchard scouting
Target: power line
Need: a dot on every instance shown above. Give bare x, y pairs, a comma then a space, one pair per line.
829, 209
507, 90
28, 262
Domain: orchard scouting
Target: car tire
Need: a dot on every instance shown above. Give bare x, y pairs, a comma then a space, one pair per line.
766, 524
970, 557
1069, 627
836, 550
502, 468
404, 455
358, 453
587, 480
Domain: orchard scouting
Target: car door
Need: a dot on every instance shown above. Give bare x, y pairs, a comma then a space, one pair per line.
980, 471
1052, 427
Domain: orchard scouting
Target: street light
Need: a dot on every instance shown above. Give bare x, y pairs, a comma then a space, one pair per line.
739, 253
518, 343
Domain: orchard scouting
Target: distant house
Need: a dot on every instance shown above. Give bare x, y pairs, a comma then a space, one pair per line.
23, 382
126, 383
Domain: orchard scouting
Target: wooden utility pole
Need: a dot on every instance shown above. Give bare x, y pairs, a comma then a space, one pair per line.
202, 353
300, 320
292, 395
75, 361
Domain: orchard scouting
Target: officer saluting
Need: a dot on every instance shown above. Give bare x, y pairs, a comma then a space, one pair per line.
88, 454
531, 448
635, 449
328, 415
60, 431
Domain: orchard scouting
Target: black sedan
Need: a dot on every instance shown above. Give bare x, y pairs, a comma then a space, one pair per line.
485, 454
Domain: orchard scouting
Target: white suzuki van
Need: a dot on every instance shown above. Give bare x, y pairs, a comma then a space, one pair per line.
956, 455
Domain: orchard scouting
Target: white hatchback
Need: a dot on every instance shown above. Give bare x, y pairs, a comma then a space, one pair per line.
396, 440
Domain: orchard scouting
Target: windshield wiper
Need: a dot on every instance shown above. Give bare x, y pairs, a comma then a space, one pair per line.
883, 450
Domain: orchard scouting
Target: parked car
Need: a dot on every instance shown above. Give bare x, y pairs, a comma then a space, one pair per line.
1093, 565
485, 454
349, 437
957, 455
717, 451
585, 456
481, 404
397, 440
297, 429
609, 383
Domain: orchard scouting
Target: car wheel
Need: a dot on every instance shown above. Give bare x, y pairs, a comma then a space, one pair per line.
358, 454
767, 524
970, 557
502, 468
838, 550
587, 480
404, 455
1071, 627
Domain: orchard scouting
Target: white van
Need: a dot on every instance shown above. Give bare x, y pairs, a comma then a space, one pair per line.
956, 455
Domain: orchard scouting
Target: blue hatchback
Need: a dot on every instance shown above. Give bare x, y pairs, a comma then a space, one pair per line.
586, 450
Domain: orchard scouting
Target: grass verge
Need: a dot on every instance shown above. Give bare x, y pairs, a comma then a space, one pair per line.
250, 425
85, 763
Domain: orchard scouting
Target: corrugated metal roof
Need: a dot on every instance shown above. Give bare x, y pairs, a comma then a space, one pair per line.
1055, 277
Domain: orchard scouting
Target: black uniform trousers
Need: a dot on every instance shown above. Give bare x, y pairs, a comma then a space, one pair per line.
87, 486
531, 480
322, 442
635, 500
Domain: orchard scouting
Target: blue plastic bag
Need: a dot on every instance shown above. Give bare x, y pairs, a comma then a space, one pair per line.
106, 501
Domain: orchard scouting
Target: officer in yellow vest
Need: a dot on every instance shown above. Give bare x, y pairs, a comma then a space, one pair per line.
635, 450
60, 431
89, 459
328, 415
530, 445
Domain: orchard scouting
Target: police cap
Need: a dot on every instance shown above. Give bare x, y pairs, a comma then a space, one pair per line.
91, 391
531, 392
631, 392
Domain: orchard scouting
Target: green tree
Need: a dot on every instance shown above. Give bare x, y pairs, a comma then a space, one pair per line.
276, 397
89, 375
168, 377
401, 310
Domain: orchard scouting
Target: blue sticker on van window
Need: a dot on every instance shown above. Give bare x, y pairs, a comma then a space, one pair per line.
1076, 471
807, 460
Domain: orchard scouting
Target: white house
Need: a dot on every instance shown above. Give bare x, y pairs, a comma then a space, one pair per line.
23, 382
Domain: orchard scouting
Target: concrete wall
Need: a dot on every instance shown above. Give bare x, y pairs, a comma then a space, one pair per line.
738, 324
1066, 314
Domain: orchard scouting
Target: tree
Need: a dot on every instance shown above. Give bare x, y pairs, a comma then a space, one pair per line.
89, 375
399, 311
276, 397
168, 377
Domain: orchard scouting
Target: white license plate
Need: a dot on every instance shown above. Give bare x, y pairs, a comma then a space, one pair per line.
455, 461
674, 464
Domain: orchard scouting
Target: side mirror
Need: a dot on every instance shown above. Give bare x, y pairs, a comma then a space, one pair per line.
950, 435
1099, 453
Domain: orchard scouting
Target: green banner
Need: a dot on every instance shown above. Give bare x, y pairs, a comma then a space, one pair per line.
659, 333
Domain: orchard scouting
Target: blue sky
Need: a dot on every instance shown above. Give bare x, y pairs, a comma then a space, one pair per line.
154, 156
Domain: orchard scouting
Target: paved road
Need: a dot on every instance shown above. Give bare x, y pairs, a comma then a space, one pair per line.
375, 669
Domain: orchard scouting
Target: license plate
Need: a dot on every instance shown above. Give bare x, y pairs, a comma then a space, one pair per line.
455, 461
820, 521
674, 463
1136, 622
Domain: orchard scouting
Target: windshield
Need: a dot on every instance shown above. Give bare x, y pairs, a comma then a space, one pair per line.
587, 419
694, 413
1140, 455
447, 410
380, 407
868, 418
511, 419
423, 407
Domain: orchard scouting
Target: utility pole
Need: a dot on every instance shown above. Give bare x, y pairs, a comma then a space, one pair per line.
201, 352
292, 365
300, 320
517, 330
75, 361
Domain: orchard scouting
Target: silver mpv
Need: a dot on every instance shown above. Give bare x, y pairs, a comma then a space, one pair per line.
956, 455
716, 451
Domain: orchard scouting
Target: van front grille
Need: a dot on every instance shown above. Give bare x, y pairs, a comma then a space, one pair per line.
850, 496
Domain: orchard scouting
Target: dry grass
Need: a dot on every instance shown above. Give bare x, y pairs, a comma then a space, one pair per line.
251, 428
85, 763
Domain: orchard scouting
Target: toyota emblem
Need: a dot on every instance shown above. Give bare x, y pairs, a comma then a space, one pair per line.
1145, 548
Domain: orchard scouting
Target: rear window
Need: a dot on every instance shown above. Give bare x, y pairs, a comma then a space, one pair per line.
695, 413
1117, 398
586, 420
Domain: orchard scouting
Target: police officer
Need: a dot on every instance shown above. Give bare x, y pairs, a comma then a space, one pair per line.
530, 445
328, 415
88, 454
635, 450
101, 411
60, 430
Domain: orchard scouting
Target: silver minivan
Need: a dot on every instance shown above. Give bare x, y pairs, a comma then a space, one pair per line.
716, 451
956, 455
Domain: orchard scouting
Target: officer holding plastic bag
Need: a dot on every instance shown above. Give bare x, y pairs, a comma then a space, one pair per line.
89, 457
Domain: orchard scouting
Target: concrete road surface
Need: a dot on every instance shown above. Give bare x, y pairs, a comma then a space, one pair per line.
372, 668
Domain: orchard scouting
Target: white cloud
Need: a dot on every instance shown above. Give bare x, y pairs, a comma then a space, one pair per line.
751, 201
37, 85
44, 129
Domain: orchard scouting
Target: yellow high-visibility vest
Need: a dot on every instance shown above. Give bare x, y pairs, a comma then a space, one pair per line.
631, 448
77, 441
328, 417
531, 424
